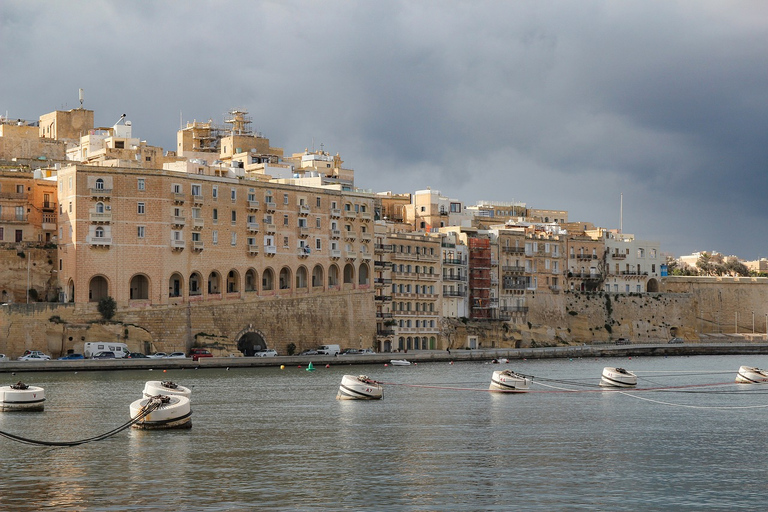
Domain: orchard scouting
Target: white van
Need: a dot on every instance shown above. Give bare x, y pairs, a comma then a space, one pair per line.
328, 350
91, 349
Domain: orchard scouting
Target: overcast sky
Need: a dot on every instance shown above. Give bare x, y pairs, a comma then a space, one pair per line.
560, 105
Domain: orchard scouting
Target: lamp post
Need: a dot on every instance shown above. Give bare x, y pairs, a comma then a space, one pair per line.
753, 322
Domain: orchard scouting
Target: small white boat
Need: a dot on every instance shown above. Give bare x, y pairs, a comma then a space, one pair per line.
359, 387
175, 412
507, 380
618, 378
751, 375
20, 397
400, 362
166, 387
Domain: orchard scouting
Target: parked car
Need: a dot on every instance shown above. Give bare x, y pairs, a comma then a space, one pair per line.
676, 340
266, 353
158, 355
623, 341
367, 351
310, 352
35, 357
71, 357
136, 355
104, 355
3, 358
349, 351
197, 353
177, 355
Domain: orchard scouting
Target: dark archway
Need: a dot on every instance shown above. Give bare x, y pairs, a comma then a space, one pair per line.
250, 342
652, 286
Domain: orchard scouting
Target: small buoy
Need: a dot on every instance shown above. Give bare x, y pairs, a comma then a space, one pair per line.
451, 362
310, 368
227, 368
327, 366
165, 371
282, 367
299, 366
385, 364
151, 369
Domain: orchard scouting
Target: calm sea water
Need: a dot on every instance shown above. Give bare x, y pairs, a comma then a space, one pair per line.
272, 439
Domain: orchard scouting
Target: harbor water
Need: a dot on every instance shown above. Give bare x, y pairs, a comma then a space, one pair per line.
272, 439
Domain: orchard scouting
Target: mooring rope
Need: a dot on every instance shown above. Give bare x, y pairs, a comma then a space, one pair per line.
695, 406
153, 404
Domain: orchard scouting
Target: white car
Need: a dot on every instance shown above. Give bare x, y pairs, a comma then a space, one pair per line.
3, 358
158, 355
266, 353
35, 357
177, 355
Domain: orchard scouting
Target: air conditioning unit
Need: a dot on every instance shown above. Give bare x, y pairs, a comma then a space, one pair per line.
108, 208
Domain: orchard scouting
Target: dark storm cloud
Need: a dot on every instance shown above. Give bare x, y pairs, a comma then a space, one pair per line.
558, 104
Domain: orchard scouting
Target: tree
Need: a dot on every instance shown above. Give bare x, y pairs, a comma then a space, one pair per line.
735, 267
107, 307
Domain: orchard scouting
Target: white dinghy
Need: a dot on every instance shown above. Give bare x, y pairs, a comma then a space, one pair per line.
20, 397
359, 387
175, 412
507, 380
751, 375
618, 378
166, 387
400, 362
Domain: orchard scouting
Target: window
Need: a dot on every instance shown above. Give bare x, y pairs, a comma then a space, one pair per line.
233, 194
285, 198
139, 208
215, 192
251, 241
140, 184
215, 215
251, 194
233, 240
302, 222
285, 220
317, 222
140, 231
99, 185
318, 244
234, 217
196, 213
285, 241
195, 236
176, 188
197, 190
215, 236
317, 202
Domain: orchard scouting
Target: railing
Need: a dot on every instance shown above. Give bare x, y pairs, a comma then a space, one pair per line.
335, 212
453, 261
270, 206
253, 205
178, 244
178, 221
253, 249
197, 199
454, 278
99, 240
100, 217
101, 192
513, 250
198, 245
253, 226
514, 309
454, 293
197, 223
270, 249
383, 247
179, 197
512, 268
304, 209
335, 253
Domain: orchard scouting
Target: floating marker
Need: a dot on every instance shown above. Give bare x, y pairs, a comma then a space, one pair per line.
282, 367
310, 368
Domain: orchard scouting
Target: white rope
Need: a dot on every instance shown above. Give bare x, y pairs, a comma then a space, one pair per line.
555, 387
693, 406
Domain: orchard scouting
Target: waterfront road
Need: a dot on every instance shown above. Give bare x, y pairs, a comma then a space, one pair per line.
418, 356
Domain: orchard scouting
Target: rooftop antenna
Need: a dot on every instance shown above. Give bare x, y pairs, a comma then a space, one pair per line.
621, 213
81, 99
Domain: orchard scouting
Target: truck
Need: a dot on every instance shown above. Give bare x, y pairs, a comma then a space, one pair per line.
328, 350
90, 349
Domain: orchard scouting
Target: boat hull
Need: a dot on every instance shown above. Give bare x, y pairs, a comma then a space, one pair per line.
177, 413
30, 399
400, 362
617, 378
511, 382
354, 387
751, 375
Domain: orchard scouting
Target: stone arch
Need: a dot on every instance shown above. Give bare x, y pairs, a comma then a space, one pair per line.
349, 274
71, 291
250, 340
98, 288
401, 343
652, 285
333, 275
301, 277
214, 282
233, 281
285, 278
251, 280
99, 207
268, 279
139, 287
363, 274
195, 283
176, 285
317, 276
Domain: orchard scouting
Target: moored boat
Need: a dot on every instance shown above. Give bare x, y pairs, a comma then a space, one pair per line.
618, 378
400, 362
359, 387
751, 375
21, 397
174, 412
166, 387
507, 380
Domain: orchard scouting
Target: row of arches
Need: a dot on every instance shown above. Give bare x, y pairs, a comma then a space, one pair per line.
215, 283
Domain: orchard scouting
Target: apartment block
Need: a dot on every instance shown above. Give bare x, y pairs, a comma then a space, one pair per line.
632, 266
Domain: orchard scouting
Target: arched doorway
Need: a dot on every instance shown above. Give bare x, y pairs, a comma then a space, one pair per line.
317, 276
139, 287
214, 281
363, 274
98, 289
233, 281
71, 291
250, 280
301, 277
285, 278
251, 342
653, 286
349, 274
175, 285
267, 280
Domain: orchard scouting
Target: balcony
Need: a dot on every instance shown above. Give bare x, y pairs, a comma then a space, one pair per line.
253, 227
383, 298
365, 237
335, 233
618, 256
384, 248
383, 315
253, 250
270, 228
454, 293
366, 217
179, 197
349, 214
178, 245
366, 256
380, 281
453, 261
304, 210
451, 277
303, 232
385, 332
197, 245
49, 226
270, 250
351, 255
514, 309
99, 240
178, 221
382, 264
335, 253
335, 213
350, 235
270, 207
197, 223
49, 206
104, 217
103, 193
514, 269
197, 200
303, 252
19, 196
253, 205
513, 250
586, 257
